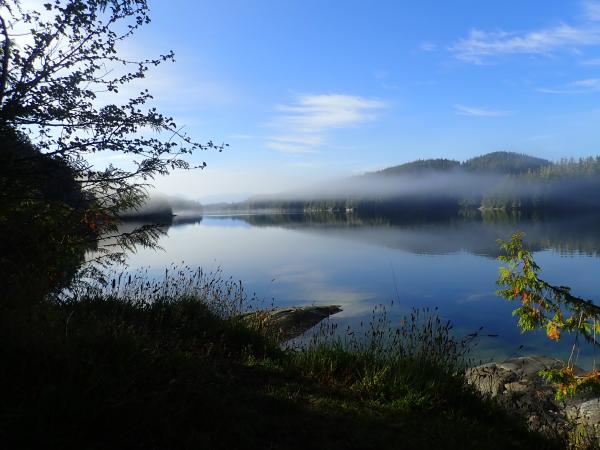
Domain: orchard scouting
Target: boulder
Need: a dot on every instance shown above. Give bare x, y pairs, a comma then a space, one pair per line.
289, 323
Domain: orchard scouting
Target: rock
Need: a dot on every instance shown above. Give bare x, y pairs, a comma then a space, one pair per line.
490, 379
517, 386
288, 323
586, 413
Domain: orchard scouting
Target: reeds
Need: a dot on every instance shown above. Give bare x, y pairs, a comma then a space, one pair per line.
418, 362
224, 296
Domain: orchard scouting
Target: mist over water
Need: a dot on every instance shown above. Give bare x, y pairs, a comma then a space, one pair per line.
425, 184
163, 205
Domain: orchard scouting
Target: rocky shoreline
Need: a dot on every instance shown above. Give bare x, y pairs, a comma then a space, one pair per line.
517, 386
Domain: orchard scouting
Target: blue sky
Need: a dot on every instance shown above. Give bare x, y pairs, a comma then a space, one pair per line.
304, 90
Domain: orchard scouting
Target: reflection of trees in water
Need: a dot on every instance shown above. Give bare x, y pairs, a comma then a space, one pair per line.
183, 219
475, 233
160, 224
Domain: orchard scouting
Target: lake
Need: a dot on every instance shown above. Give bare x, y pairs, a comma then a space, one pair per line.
448, 263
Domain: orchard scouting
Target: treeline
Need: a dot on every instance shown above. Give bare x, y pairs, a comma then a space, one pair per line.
495, 162
570, 184
434, 187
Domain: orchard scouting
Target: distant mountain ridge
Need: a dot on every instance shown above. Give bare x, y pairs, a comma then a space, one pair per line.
419, 165
506, 163
500, 162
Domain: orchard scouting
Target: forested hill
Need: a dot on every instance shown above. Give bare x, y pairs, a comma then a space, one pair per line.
421, 165
498, 180
495, 162
506, 163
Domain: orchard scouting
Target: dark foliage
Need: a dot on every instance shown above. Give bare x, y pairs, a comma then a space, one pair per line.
107, 373
44, 223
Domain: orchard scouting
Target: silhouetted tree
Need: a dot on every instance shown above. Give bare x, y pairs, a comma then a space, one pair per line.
60, 73
60, 76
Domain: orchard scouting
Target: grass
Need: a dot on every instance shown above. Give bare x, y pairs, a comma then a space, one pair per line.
174, 368
415, 366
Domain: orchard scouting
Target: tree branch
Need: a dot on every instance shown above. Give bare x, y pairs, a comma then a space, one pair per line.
5, 60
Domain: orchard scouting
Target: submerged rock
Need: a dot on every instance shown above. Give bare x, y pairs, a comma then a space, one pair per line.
288, 323
517, 386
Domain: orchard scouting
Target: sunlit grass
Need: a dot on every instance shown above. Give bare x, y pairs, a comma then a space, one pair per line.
416, 363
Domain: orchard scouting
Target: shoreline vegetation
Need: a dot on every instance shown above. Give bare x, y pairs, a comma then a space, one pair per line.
172, 365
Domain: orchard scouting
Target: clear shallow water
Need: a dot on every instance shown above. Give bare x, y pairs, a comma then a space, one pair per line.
358, 264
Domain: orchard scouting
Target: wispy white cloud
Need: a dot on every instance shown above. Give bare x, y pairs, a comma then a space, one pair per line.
243, 137
177, 92
317, 287
381, 74
303, 125
294, 143
286, 147
307, 139
316, 113
476, 111
587, 86
481, 45
590, 62
102, 160
590, 83
427, 47
591, 10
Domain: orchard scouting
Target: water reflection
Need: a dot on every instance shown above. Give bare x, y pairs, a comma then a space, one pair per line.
361, 262
475, 234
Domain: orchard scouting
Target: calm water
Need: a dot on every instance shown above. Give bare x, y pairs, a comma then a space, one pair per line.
358, 264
